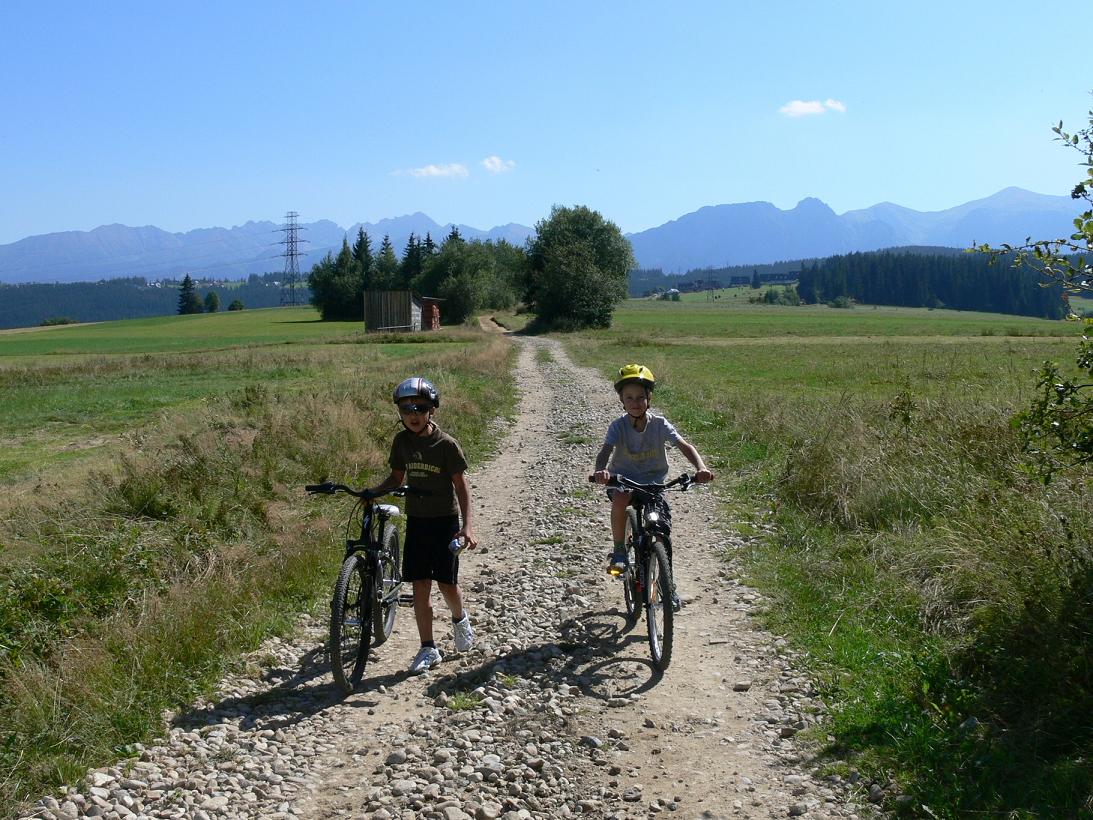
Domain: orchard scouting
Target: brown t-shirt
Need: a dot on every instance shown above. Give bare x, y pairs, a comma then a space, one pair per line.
429, 463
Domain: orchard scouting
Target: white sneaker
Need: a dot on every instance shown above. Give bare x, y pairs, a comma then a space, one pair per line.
427, 657
464, 634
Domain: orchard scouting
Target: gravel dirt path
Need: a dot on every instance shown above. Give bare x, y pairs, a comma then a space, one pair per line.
556, 712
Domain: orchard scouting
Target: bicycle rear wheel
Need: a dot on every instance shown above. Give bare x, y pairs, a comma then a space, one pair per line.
386, 588
631, 591
658, 608
350, 623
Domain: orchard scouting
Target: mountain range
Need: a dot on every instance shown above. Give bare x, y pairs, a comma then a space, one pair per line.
713, 236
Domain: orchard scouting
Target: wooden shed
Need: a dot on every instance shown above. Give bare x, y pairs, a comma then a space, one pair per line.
391, 310
430, 313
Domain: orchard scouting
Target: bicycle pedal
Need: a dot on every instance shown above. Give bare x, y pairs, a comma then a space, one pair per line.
406, 599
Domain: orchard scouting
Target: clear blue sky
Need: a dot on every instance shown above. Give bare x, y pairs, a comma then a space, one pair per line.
198, 114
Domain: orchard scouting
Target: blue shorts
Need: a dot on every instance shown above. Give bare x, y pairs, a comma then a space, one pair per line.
425, 555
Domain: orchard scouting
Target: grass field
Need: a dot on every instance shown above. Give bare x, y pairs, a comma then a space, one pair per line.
73, 391
661, 322
135, 460
161, 334
930, 578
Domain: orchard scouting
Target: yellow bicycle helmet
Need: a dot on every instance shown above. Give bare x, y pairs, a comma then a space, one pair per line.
638, 373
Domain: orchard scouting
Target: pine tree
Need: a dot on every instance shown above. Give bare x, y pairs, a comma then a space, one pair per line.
188, 300
386, 267
362, 253
410, 268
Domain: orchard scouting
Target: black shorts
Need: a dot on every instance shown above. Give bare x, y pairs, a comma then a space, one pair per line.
659, 503
426, 555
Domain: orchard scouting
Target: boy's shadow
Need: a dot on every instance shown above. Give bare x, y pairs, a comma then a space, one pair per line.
586, 655
294, 694
591, 662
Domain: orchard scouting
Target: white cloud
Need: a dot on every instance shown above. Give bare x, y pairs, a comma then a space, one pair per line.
453, 170
809, 108
495, 165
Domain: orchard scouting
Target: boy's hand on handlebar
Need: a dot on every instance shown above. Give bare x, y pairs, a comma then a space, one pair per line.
702, 476
600, 477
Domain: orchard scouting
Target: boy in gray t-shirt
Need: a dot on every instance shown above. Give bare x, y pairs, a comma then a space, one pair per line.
635, 446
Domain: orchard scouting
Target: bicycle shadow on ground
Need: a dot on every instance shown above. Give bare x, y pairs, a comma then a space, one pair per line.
295, 694
596, 660
617, 662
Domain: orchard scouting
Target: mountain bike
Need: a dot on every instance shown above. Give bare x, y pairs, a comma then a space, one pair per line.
647, 582
369, 586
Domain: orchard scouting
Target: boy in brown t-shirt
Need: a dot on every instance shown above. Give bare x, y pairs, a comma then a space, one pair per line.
426, 458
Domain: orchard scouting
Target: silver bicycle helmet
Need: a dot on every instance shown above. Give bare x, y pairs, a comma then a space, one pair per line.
417, 387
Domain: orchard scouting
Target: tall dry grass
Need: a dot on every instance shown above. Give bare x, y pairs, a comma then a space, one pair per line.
146, 581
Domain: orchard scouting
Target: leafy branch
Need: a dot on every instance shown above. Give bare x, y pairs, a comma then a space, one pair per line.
1064, 260
1058, 428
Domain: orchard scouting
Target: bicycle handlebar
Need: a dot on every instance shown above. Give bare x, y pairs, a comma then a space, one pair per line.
616, 480
330, 488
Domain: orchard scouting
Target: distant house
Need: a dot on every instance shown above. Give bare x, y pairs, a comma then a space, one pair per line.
399, 310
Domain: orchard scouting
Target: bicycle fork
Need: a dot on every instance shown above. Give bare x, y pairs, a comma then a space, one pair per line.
638, 569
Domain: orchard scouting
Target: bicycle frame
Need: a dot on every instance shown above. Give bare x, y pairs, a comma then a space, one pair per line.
365, 600
647, 581
374, 520
648, 526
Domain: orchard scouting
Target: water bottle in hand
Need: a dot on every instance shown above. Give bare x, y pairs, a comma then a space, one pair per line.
456, 546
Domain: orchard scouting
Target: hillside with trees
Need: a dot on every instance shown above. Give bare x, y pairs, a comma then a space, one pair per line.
958, 281
28, 305
647, 281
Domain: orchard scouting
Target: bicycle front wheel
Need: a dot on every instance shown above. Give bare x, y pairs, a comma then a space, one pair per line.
386, 587
658, 607
631, 592
350, 623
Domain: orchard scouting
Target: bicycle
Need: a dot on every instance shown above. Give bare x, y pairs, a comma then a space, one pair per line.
368, 591
647, 581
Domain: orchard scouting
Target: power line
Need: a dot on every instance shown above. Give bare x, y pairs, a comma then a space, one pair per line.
291, 279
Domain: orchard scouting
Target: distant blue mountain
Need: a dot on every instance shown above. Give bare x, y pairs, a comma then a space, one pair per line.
114, 251
714, 236
758, 232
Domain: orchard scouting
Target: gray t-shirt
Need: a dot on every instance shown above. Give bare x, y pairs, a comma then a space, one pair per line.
641, 456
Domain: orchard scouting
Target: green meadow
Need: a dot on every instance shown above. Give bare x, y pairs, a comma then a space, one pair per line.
726, 319
71, 392
941, 591
136, 457
164, 334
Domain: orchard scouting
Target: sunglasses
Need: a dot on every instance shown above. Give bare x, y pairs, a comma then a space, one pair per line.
407, 409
